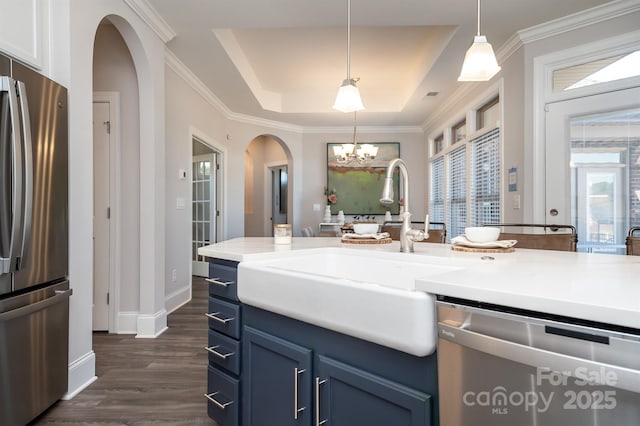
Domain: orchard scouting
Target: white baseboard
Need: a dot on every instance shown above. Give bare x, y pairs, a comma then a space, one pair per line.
151, 326
127, 323
82, 372
177, 299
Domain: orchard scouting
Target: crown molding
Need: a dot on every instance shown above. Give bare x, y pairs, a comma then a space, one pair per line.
458, 95
365, 129
552, 28
578, 20
194, 82
152, 18
201, 89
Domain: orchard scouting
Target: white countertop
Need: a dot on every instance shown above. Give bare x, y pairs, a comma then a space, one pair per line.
597, 287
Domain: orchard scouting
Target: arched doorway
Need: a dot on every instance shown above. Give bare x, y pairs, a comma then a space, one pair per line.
116, 181
267, 188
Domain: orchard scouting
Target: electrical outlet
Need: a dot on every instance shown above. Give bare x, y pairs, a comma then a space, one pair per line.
316, 207
174, 275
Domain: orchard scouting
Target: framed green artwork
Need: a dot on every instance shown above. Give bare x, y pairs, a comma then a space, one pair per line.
358, 187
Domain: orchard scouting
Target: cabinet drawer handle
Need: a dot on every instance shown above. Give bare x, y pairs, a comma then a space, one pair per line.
318, 383
218, 282
216, 318
220, 405
212, 349
296, 410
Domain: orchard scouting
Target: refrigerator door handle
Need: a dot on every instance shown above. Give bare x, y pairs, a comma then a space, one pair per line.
59, 296
7, 264
28, 175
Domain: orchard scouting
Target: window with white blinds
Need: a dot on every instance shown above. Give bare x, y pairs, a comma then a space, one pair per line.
485, 179
436, 201
457, 191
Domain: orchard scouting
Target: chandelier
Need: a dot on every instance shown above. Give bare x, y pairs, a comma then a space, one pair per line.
348, 153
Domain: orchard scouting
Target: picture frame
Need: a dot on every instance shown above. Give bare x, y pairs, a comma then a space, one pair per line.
358, 186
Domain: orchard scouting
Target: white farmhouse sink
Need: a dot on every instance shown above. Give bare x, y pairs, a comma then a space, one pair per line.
366, 294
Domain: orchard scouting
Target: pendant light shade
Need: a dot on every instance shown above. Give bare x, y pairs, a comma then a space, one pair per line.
348, 97
480, 62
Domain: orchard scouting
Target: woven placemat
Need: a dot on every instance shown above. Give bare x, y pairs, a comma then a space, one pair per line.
483, 250
366, 240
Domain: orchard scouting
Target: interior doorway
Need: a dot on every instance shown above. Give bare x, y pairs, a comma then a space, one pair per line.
103, 120
277, 196
267, 186
206, 202
117, 189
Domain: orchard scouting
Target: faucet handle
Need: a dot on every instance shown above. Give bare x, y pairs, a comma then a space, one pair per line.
416, 235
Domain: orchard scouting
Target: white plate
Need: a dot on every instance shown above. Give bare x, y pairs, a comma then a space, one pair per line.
354, 236
461, 240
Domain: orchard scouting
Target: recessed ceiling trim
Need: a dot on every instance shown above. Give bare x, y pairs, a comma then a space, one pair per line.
152, 18
271, 101
201, 89
365, 130
578, 20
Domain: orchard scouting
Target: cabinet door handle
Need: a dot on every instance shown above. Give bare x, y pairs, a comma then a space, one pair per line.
220, 405
214, 317
318, 383
218, 282
212, 349
296, 410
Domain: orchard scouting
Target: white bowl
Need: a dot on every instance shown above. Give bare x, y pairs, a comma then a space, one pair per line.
365, 228
481, 234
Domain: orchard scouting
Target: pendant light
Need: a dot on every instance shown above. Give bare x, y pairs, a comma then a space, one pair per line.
348, 98
480, 62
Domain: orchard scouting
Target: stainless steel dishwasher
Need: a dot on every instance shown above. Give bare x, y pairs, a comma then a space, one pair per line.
501, 366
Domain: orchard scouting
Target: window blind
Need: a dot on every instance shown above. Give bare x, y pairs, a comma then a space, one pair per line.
436, 194
485, 179
456, 194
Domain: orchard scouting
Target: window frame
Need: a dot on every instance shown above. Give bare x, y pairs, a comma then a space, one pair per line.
491, 98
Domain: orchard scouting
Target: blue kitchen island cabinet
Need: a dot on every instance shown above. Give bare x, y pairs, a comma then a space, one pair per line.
272, 370
224, 347
296, 373
277, 378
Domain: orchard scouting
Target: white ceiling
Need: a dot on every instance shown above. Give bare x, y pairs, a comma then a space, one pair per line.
283, 60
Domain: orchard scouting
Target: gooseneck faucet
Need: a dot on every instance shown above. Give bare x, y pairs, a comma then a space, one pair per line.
407, 235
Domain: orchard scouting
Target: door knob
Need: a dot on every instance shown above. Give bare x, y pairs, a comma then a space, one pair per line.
553, 212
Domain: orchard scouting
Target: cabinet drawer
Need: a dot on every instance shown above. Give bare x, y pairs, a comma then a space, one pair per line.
224, 351
223, 398
224, 317
223, 279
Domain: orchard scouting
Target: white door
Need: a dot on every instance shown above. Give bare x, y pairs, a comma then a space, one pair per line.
592, 165
205, 169
101, 213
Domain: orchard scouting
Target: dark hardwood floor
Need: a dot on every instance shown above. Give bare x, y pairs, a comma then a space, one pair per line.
146, 381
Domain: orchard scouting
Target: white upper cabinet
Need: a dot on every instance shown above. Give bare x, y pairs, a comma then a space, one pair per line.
22, 30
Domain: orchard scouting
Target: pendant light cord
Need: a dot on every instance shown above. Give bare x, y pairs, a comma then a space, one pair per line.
349, 39
354, 129
478, 17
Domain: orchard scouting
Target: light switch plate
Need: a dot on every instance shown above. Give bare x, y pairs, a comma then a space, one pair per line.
516, 201
180, 203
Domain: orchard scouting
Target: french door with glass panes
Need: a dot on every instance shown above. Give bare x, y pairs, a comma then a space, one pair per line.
593, 167
204, 210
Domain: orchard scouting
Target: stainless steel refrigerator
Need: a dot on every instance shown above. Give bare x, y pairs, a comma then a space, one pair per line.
34, 286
